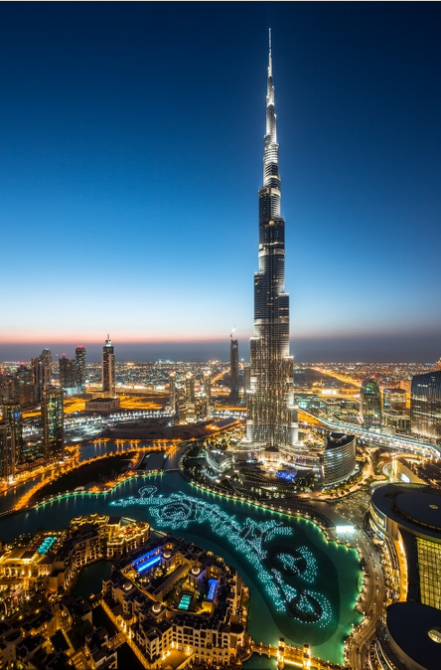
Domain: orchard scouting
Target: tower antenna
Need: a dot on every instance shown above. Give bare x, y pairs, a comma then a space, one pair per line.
269, 40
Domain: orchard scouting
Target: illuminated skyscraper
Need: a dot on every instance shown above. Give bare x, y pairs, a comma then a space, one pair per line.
24, 379
53, 422
189, 387
7, 457
108, 368
12, 413
425, 405
8, 388
207, 384
42, 373
68, 372
371, 410
80, 365
272, 417
234, 371
172, 390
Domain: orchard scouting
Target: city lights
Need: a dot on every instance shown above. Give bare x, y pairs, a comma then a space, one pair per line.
252, 539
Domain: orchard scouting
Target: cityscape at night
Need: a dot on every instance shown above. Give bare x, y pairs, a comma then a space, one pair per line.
178, 491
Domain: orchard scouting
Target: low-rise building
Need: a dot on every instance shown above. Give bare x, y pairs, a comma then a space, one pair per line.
178, 604
103, 405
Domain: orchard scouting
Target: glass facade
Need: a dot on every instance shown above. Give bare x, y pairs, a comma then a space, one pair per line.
429, 568
271, 415
53, 422
425, 405
68, 372
7, 456
339, 458
80, 365
108, 368
234, 371
13, 414
370, 404
172, 390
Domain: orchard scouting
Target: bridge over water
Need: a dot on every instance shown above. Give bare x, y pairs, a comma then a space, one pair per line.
289, 654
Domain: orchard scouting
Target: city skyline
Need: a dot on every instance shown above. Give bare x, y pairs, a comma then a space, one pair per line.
119, 147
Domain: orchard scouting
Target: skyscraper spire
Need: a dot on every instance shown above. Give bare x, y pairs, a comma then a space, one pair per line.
270, 60
271, 419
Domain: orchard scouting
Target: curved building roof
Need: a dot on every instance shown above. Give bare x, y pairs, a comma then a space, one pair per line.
421, 507
414, 630
415, 507
336, 440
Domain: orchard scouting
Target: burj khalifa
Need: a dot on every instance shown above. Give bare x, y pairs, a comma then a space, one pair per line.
271, 413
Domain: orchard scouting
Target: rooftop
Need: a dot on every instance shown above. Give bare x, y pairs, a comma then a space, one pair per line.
416, 630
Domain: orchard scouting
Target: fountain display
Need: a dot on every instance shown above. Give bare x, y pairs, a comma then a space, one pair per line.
286, 572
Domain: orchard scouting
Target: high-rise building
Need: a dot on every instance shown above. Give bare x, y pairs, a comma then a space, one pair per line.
172, 390
425, 405
12, 413
68, 373
7, 456
7, 387
189, 387
234, 371
42, 369
80, 364
271, 416
53, 422
108, 368
339, 458
24, 386
370, 403
394, 398
207, 384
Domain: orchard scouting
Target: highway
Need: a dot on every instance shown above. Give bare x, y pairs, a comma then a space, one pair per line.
379, 439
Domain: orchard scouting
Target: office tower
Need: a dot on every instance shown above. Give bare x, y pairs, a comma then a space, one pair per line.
425, 405
80, 365
189, 387
108, 368
339, 458
7, 456
68, 373
12, 413
234, 371
395, 399
370, 404
42, 373
24, 386
172, 390
53, 422
438, 365
7, 387
271, 416
207, 384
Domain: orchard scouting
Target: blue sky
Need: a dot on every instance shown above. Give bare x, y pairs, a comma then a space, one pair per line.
132, 141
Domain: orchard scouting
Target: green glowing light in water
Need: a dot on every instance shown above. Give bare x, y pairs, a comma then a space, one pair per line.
251, 539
